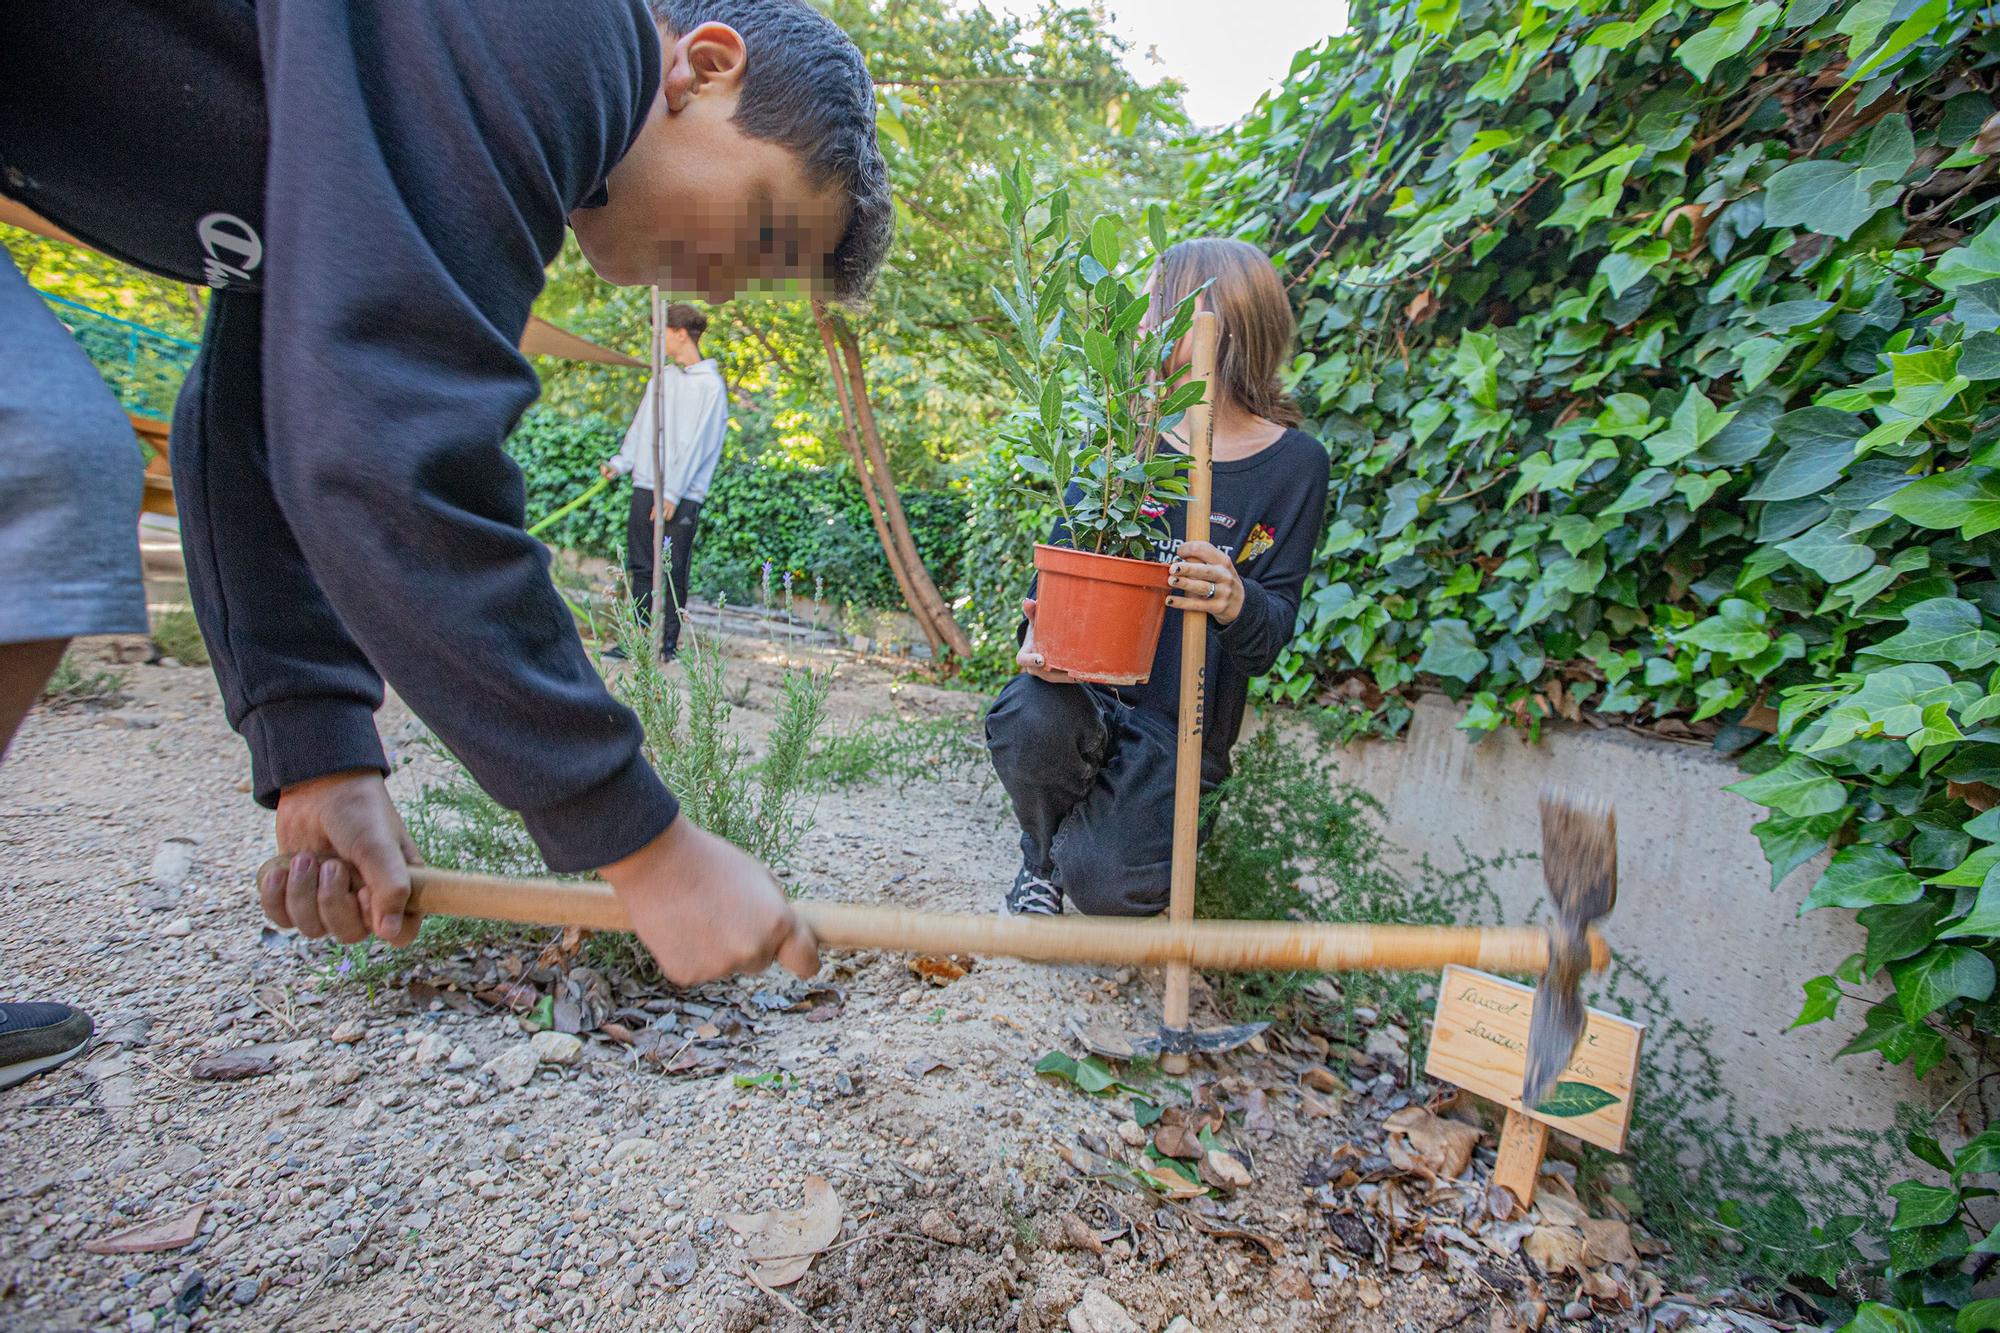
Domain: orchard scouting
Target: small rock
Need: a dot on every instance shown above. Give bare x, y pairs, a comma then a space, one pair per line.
245, 1290
432, 1049
556, 1048
178, 929
1182, 1324
461, 1057
516, 1241
366, 1112
626, 1150
346, 1034
1577, 1310
1129, 1131
937, 1224
1098, 1313
172, 860
514, 1066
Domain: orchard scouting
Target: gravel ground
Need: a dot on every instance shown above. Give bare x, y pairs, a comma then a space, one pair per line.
411, 1158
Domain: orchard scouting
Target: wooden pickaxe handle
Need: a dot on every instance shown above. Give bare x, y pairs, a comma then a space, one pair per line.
1225, 946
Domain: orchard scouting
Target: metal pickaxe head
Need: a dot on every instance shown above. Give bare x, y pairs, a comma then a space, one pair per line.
1580, 864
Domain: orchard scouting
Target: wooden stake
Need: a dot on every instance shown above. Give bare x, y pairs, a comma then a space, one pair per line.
1194, 666
658, 628
1523, 1140
1228, 946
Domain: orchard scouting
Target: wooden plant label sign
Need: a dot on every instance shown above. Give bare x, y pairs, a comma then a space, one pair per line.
1480, 1043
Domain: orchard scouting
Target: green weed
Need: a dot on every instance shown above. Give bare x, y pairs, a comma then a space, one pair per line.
898, 750
176, 634
70, 684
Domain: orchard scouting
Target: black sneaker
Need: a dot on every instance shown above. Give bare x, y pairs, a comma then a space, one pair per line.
34, 1037
613, 654
1033, 895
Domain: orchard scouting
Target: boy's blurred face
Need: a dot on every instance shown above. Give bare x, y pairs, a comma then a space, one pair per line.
699, 207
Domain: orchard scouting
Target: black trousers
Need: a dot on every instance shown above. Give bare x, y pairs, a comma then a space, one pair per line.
639, 561
1092, 782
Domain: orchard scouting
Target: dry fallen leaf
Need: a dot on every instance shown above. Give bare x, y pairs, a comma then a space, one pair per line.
1219, 1168
1177, 1138
166, 1234
1429, 1144
780, 1243
940, 971
1079, 1236
1555, 1249
1323, 1080
1609, 1241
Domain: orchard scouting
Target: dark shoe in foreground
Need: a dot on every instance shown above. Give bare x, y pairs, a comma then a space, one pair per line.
34, 1037
1032, 895
614, 654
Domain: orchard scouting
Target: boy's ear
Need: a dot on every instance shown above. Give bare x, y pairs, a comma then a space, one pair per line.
709, 57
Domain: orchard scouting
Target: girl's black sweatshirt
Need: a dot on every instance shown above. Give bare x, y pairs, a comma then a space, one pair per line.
1266, 513
372, 188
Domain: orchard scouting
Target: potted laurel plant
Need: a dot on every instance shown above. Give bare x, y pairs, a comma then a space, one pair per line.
1089, 366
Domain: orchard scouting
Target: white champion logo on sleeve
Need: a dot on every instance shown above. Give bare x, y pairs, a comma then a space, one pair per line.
232, 247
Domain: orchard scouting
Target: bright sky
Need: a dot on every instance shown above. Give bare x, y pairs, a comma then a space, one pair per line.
1228, 53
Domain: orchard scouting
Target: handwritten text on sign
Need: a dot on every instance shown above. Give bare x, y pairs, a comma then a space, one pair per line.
1481, 1044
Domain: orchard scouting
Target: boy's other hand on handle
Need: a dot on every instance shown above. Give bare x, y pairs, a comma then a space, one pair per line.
706, 909
343, 862
1029, 659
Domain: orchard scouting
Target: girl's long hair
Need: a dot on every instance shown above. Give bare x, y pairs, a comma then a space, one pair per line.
1257, 327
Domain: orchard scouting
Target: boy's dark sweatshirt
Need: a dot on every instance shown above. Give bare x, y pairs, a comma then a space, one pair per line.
372, 188
1266, 512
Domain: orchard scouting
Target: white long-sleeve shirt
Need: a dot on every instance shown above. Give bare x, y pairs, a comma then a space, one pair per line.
696, 413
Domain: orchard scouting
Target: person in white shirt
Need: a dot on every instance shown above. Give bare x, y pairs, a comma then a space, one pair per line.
695, 412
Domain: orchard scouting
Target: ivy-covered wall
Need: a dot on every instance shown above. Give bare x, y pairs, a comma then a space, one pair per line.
1657, 353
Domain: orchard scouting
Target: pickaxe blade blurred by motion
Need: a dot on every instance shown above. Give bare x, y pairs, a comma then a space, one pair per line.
1580, 864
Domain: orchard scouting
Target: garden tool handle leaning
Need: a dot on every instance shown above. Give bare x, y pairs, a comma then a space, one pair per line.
1230, 946
1193, 699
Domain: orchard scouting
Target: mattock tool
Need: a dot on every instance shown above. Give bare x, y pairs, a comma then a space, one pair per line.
1224, 946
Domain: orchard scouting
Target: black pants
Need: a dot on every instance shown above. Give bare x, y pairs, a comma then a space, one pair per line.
639, 560
1092, 781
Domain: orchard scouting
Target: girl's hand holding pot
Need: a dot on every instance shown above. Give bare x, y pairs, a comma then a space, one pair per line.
1204, 579
1028, 659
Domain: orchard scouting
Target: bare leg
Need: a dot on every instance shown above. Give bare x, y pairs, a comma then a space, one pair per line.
24, 669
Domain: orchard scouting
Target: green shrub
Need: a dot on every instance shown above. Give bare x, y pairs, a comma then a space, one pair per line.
558, 456
1658, 373
1290, 841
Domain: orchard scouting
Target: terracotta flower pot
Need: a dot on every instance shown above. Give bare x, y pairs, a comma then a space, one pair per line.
1098, 617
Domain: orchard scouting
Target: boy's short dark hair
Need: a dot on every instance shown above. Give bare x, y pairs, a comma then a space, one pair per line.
688, 319
807, 89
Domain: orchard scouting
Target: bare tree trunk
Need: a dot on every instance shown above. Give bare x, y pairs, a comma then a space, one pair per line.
892, 503
851, 437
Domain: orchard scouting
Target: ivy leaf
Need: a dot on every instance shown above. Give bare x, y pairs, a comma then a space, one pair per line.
1864, 875
1939, 975
1980, 1156
1791, 842
1897, 1039
1833, 198
1822, 999
1451, 651
1828, 551
1943, 629
1966, 498
1727, 36
1973, 871
1735, 632
1794, 316
1796, 787
1984, 918
1978, 260
1821, 444
1872, 1317
1622, 269
1981, 1316
1900, 931
1643, 492
1759, 357
1695, 422
1921, 1205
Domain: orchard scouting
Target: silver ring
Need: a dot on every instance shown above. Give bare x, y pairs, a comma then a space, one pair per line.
1208, 590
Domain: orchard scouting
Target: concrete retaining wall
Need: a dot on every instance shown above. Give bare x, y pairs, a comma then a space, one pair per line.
1693, 898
